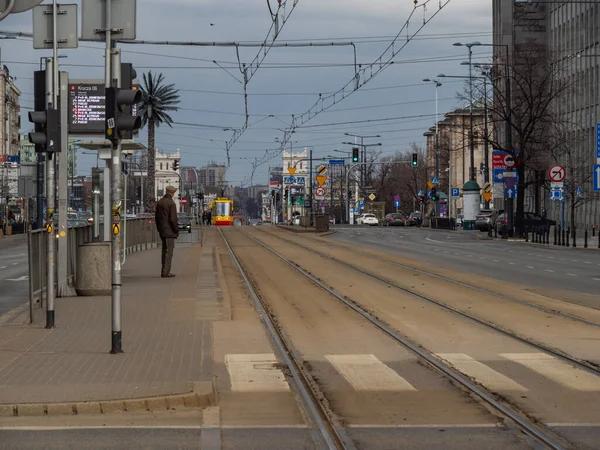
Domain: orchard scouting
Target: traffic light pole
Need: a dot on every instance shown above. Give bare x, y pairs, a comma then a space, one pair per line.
52, 95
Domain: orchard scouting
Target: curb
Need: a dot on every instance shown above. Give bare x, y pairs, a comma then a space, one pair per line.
202, 396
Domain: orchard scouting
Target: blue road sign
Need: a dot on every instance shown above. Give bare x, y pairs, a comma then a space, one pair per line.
578, 192
307, 204
556, 194
361, 203
455, 192
428, 194
499, 175
289, 180
509, 193
396, 198
421, 194
597, 177
397, 204
337, 162
598, 140
355, 210
435, 180
300, 180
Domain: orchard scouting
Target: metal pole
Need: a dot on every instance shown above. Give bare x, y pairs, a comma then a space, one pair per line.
486, 175
50, 202
113, 73
310, 178
471, 141
437, 149
508, 131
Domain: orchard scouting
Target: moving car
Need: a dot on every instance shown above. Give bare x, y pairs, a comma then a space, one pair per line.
415, 219
367, 219
484, 221
184, 222
394, 219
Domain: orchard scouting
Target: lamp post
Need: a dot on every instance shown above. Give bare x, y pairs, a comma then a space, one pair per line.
437, 148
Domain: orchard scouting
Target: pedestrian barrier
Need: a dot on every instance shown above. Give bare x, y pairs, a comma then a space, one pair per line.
138, 234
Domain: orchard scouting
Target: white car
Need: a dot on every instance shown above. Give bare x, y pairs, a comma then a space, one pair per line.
367, 219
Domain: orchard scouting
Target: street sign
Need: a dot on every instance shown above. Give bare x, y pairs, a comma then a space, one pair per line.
321, 179
435, 180
300, 180
509, 161
397, 204
122, 20
455, 192
289, 180
355, 210
321, 170
556, 173
557, 184
510, 182
487, 187
556, 194
487, 196
320, 193
307, 204
337, 162
597, 177
184, 201
292, 170
361, 203
372, 197
578, 192
396, 198
598, 141
509, 193
498, 174
430, 185
421, 194
66, 26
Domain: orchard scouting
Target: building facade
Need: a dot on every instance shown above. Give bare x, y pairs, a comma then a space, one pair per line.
212, 175
166, 176
10, 112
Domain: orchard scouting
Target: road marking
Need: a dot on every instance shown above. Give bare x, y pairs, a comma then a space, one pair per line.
597, 279
574, 260
23, 278
571, 274
14, 264
433, 240
551, 271
557, 370
530, 267
588, 262
210, 436
255, 373
512, 264
480, 372
495, 260
3, 267
367, 373
14, 256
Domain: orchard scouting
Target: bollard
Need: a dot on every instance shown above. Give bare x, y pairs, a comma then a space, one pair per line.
574, 237
593, 230
527, 235
585, 238
555, 235
563, 238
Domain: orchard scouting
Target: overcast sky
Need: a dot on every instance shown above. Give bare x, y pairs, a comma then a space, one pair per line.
210, 96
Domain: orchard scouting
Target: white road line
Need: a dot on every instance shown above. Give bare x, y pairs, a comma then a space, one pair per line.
3, 267
588, 262
551, 271
571, 274
367, 373
495, 260
512, 264
597, 279
14, 264
433, 240
557, 370
530, 267
481, 373
255, 373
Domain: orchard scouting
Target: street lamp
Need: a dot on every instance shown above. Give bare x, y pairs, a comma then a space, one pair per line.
437, 149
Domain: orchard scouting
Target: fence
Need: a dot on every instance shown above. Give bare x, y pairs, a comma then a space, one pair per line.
138, 235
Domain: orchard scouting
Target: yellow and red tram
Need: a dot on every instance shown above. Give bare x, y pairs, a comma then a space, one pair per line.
222, 212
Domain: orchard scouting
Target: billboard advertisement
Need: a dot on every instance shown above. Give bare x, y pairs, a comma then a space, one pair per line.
276, 177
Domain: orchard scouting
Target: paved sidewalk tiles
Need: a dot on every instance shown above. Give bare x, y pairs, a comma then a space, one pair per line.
167, 340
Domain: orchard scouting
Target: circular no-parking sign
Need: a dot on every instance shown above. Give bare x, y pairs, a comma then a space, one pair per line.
557, 173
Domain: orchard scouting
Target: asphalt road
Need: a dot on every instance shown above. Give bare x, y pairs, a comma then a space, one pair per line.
14, 285
550, 267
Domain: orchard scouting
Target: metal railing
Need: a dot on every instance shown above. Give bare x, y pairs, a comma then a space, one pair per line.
138, 234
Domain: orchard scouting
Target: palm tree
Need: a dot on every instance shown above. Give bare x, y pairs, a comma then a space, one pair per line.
157, 99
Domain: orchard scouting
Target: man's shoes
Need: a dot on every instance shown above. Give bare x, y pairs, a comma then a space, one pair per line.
167, 275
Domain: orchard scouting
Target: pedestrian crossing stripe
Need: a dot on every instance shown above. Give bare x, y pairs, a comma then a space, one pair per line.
365, 372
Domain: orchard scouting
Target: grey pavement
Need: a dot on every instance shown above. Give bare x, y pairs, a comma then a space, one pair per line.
547, 267
166, 337
14, 285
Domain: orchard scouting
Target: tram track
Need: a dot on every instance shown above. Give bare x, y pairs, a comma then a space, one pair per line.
588, 366
503, 407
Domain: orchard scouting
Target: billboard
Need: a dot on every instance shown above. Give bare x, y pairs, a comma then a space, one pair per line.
87, 107
276, 177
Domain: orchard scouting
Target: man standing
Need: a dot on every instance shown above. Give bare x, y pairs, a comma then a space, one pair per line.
168, 229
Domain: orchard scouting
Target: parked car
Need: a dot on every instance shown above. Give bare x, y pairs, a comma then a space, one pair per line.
484, 221
531, 220
394, 220
367, 219
415, 219
184, 222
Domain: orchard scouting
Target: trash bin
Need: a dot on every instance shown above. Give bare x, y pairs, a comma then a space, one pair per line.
94, 275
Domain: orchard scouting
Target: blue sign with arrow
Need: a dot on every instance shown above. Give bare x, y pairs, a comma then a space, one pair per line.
509, 192
596, 177
397, 204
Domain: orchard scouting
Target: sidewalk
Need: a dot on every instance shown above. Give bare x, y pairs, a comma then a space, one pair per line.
166, 339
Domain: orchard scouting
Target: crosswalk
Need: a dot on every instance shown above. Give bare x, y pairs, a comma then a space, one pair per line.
365, 372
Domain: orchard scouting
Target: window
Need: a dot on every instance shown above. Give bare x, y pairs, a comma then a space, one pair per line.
161, 166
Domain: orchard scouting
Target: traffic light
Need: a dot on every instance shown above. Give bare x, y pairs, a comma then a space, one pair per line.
120, 123
46, 134
124, 168
415, 160
128, 74
355, 154
176, 165
434, 195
